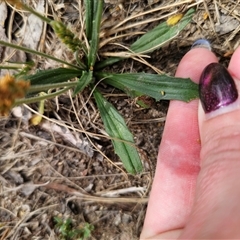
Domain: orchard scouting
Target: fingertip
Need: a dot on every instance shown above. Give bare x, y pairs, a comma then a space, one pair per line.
234, 64
228, 94
194, 62
228, 97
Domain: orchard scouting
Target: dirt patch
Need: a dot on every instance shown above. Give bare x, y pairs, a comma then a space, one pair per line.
66, 166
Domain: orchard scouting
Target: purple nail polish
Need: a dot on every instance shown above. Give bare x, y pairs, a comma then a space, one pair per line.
216, 88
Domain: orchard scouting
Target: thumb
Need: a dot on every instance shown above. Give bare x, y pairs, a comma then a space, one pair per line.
216, 211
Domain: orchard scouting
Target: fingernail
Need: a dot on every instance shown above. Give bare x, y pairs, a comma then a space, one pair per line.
202, 43
217, 88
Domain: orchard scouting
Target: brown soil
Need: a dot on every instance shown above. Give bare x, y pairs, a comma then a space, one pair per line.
43, 174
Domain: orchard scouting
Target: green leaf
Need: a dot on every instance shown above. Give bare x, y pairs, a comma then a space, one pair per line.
53, 76
85, 79
98, 8
160, 35
117, 129
153, 85
153, 39
88, 4
104, 63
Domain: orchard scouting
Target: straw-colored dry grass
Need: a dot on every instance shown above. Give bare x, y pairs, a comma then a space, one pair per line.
66, 166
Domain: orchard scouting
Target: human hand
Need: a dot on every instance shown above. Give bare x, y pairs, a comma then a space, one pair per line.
196, 188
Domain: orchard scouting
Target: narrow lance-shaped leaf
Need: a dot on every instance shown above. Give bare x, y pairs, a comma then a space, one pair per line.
98, 7
153, 85
88, 17
153, 39
85, 79
160, 35
117, 129
104, 63
52, 76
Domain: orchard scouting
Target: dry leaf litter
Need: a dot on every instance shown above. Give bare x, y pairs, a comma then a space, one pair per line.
66, 166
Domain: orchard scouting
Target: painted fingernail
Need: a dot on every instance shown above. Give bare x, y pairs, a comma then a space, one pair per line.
216, 88
202, 43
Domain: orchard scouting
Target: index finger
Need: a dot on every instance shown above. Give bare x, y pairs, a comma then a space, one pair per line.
177, 168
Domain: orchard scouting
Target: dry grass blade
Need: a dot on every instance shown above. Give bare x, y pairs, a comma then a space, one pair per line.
14, 233
110, 39
87, 197
169, 6
83, 188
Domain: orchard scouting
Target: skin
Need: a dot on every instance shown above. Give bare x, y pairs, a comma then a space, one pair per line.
196, 188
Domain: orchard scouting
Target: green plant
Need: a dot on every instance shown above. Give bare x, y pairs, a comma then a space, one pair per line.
68, 232
89, 71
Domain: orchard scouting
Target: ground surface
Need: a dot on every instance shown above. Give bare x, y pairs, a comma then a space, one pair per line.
55, 169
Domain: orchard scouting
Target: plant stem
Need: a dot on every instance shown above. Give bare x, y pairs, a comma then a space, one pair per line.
44, 87
10, 67
31, 10
39, 98
82, 65
28, 50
